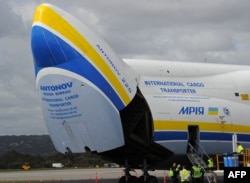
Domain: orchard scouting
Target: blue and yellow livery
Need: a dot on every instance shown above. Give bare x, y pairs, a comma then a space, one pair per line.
64, 57
132, 111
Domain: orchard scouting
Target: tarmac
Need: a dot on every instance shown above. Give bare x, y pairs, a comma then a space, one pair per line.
78, 175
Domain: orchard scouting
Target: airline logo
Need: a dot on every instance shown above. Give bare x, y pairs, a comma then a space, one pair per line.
213, 111
191, 110
226, 111
194, 110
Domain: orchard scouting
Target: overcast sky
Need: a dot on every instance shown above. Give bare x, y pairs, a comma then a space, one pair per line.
216, 31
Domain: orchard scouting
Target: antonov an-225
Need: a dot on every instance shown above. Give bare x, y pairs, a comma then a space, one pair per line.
135, 112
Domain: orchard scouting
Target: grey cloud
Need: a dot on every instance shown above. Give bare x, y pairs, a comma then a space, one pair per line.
215, 31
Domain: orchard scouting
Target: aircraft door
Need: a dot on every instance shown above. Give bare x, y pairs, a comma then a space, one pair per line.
193, 139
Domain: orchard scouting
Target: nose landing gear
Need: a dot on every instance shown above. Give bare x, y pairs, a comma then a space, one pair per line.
144, 178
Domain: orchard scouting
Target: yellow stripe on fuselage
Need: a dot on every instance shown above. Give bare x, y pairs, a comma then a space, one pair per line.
203, 126
60, 25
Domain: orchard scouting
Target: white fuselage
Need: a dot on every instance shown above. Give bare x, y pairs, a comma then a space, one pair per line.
85, 88
212, 97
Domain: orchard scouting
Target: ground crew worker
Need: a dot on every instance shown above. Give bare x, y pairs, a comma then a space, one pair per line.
202, 174
210, 164
178, 169
211, 168
196, 174
173, 173
240, 148
240, 152
184, 175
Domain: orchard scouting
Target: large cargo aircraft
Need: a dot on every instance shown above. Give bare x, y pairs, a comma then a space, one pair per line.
134, 112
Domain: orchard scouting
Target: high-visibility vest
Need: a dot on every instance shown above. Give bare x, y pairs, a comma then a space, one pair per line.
240, 149
196, 172
184, 175
210, 163
171, 172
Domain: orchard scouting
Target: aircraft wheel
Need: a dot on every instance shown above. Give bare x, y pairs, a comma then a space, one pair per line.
151, 179
131, 179
122, 179
141, 179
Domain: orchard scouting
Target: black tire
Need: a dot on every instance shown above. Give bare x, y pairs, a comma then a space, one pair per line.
151, 179
141, 179
122, 179
131, 179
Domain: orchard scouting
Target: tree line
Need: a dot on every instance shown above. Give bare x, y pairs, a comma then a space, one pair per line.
15, 160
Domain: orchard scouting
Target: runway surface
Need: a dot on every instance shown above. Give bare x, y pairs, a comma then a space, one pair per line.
102, 175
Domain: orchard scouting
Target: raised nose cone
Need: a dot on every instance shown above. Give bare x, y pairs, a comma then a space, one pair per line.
82, 83
48, 38
55, 41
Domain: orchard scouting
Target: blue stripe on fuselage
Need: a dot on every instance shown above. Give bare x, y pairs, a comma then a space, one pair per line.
180, 135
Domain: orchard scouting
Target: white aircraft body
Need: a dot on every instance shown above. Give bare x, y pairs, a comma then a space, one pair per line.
132, 110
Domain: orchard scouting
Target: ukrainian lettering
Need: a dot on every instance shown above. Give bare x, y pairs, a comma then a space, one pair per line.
189, 110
